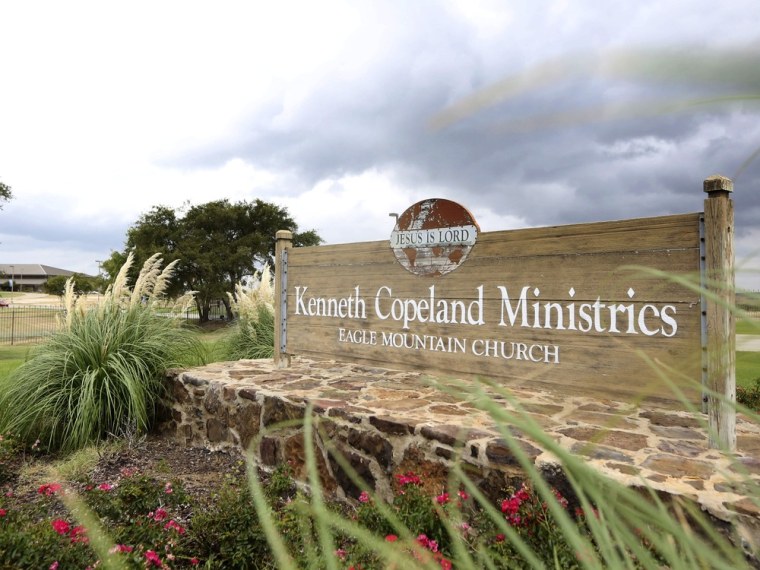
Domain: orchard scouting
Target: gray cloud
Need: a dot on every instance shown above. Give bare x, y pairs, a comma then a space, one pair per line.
576, 138
50, 224
552, 115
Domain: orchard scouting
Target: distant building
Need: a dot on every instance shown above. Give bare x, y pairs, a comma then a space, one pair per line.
28, 276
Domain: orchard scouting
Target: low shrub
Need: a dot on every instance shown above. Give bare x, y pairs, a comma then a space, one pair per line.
142, 518
102, 374
749, 397
152, 522
435, 527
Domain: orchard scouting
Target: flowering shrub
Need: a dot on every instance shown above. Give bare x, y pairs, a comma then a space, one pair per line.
430, 520
749, 397
530, 517
140, 514
153, 523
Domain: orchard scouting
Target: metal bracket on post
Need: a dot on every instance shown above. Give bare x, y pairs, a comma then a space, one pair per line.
284, 302
703, 310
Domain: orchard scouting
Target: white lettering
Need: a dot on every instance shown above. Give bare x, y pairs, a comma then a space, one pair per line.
642, 320
300, 307
522, 305
669, 320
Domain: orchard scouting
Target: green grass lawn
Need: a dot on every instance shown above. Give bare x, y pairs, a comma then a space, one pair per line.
747, 363
748, 326
747, 368
212, 339
11, 358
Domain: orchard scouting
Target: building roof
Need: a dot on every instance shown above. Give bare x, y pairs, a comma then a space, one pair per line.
30, 273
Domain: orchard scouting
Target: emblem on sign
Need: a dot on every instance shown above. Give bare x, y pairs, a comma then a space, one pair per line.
433, 237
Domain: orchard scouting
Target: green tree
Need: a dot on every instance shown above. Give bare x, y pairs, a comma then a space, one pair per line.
83, 284
217, 245
5, 193
109, 268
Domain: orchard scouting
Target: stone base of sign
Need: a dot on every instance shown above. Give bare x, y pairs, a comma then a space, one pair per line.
385, 421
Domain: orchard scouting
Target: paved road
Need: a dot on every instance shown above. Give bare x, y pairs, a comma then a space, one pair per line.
748, 342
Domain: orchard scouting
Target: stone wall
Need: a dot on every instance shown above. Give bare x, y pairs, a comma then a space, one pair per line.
385, 421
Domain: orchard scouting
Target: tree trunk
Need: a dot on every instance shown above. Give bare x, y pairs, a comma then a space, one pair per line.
228, 309
203, 310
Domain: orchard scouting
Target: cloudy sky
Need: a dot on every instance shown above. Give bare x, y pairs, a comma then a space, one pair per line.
529, 113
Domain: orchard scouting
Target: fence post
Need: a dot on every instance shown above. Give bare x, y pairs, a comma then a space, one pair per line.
284, 240
721, 335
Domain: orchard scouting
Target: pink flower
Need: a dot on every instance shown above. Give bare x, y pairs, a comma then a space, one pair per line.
408, 479
364, 497
60, 526
463, 495
49, 489
168, 489
121, 548
194, 561
105, 487
523, 494
173, 525
445, 564
341, 554
159, 515
442, 499
152, 558
500, 537
54, 566
391, 538
78, 534
510, 506
430, 544
3, 512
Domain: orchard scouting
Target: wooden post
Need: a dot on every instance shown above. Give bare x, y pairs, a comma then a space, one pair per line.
283, 243
721, 335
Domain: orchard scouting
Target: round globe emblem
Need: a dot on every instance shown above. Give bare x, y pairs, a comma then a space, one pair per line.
433, 237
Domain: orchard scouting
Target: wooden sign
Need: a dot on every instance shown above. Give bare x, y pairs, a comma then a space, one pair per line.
566, 308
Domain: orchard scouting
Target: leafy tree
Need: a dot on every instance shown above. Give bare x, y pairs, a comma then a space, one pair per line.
83, 284
217, 245
109, 268
5, 193
55, 285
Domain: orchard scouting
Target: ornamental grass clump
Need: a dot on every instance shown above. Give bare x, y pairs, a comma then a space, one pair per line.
253, 336
101, 374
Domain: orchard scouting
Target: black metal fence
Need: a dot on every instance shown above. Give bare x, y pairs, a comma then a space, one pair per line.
22, 324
